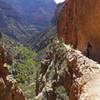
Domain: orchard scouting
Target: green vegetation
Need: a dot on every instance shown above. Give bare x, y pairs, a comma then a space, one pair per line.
24, 67
61, 93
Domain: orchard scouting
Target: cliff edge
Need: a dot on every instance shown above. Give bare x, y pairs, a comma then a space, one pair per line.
67, 67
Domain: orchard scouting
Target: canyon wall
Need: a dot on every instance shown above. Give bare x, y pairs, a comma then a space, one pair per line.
79, 24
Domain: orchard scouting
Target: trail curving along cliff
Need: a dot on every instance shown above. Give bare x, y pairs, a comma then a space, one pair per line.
67, 67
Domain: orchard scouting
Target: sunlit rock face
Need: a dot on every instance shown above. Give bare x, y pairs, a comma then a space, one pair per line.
79, 24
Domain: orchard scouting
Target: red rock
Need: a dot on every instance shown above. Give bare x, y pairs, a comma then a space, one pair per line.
2, 58
79, 24
8, 86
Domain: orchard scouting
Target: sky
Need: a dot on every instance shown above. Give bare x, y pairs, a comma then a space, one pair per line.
58, 1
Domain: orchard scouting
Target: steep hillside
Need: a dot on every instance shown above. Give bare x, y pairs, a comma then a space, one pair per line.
42, 41
10, 22
22, 65
34, 12
21, 19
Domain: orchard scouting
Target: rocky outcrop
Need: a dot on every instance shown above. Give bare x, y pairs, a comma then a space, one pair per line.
79, 24
8, 86
69, 68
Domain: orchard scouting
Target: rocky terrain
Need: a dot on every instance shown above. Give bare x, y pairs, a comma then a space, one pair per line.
69, 68
78, 72
8, 86
21, 64
15, 26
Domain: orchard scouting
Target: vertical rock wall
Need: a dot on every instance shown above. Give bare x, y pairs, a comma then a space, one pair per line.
79, 24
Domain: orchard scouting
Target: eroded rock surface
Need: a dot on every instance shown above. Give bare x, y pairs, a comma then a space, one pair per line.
79, 24
64, 66
8, 86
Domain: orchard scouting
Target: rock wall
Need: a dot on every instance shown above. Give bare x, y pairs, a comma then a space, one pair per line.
79, 24
8, 86
69, 68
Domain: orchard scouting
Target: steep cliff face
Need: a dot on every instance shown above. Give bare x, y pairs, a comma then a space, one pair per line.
69, 68
79, 24
8, 86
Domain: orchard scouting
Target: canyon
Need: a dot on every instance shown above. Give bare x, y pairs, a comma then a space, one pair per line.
72, 61
21, 19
